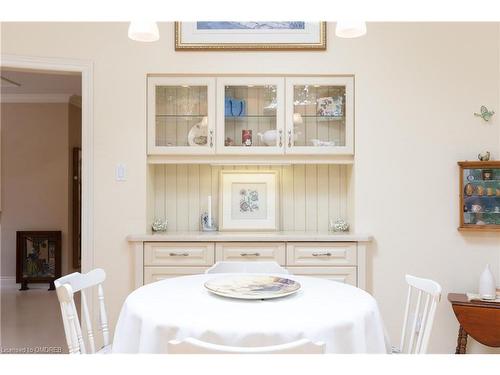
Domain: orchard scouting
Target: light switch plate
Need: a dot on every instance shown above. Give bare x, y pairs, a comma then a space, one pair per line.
121, 172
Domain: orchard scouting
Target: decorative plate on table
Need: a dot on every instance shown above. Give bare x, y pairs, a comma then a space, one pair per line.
252, 287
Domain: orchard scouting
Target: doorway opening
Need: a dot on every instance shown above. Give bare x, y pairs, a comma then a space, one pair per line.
41, 201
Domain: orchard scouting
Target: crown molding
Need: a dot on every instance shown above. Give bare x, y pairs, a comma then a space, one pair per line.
35, 98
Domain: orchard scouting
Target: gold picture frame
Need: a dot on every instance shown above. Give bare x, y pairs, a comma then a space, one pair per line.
181, 45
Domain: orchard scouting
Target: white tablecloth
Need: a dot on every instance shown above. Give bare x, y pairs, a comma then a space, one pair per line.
346, 318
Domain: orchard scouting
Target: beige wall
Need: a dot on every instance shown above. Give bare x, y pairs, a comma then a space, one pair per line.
417, 86
34, 175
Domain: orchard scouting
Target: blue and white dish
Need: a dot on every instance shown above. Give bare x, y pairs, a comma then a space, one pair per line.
252, 286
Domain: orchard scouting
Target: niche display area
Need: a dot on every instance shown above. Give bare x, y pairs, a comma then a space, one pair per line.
299, 127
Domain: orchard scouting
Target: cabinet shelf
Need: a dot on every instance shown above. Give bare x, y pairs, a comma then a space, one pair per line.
481, 196
323, 118
181, 116
249, 116
481, 181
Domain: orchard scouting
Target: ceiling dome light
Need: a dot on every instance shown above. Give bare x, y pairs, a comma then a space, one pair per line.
350, 29
143, 31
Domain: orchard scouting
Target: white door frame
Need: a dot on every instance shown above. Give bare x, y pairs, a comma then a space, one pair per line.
85, 67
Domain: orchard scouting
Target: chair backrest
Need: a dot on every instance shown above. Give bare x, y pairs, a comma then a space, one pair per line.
66, 286
247, 267
419, 316
194, 346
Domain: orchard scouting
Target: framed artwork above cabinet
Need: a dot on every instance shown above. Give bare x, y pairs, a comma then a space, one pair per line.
273, 118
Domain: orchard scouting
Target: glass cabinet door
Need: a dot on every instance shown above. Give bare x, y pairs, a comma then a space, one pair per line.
250, 115
480, 196
181, 115
320, 118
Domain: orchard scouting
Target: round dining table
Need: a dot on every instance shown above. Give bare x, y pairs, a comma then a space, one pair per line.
345, 318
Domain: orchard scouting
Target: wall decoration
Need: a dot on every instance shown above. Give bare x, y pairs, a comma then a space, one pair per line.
249, 200
484, 157
38, 257
251, 35
485, 114
479, 203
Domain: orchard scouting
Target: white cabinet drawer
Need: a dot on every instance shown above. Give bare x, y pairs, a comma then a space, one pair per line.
152, 274
251, 251
321, 254
346, 275
178, 254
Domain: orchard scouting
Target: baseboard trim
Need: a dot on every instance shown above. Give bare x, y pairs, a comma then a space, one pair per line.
7, 280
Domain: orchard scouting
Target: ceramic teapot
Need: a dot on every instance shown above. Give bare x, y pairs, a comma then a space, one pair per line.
269, 137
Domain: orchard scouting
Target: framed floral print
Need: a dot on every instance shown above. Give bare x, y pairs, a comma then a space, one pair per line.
248, 200
38, 257
250, 35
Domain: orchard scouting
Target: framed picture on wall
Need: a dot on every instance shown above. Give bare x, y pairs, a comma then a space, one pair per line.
250, 35
248, 200
38, 257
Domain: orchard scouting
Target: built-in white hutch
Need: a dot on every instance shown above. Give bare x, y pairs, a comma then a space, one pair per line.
302, 127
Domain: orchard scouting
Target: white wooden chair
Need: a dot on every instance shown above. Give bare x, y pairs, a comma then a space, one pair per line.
247, 267
194, 346
417, 325
66, 286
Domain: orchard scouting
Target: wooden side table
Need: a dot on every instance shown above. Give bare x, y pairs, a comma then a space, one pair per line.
480, 320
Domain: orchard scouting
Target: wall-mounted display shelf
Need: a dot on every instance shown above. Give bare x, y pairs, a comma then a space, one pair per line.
275, 116
479, 195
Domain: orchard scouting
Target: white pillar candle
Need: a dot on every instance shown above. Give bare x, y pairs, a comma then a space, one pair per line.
209, 211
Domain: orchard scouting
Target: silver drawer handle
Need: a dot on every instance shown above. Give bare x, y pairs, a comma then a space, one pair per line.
250, 254
179, 254
321, 254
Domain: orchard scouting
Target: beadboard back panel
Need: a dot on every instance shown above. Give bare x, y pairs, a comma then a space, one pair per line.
310, 195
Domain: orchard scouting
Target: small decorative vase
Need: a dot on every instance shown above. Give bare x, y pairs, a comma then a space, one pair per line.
159, 225
487, 286
205, 225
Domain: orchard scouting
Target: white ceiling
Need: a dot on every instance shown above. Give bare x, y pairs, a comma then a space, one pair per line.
39, 82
